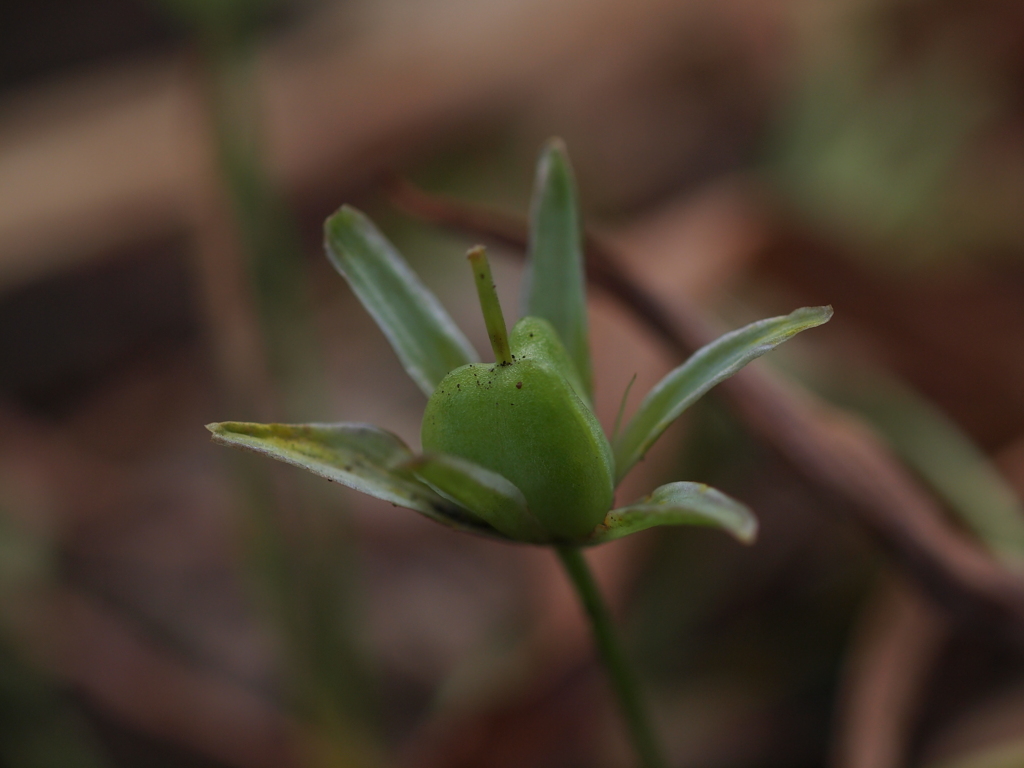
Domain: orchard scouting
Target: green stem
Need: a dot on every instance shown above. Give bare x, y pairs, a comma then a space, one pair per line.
489, 304
624, 684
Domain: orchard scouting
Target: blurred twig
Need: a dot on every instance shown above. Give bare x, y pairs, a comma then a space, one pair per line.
947, 460
831, 448
893, 651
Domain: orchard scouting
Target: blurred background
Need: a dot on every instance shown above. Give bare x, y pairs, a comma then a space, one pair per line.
165, 169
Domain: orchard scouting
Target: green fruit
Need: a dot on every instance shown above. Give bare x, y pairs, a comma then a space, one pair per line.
524, 420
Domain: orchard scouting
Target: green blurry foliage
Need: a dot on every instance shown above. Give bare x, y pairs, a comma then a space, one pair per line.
223, 19
39, 724
900, 136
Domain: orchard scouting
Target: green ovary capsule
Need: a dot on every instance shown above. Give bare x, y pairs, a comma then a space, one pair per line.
524, 421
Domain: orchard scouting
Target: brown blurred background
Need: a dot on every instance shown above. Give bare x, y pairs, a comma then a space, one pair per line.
165, 168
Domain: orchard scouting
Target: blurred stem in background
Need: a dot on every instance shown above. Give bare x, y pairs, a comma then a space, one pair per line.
295, 536
227, 34
39, 724
267, 231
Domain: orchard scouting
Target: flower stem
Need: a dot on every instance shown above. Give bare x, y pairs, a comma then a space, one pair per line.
624, 684
490, 305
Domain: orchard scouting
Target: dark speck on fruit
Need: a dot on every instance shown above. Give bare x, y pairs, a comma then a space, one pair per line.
519, 385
